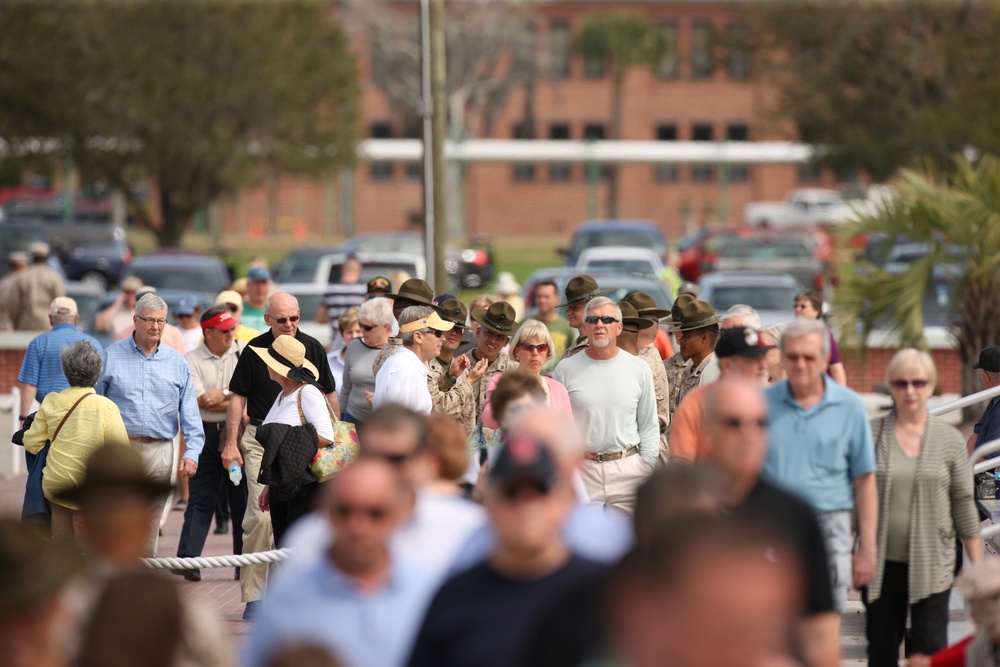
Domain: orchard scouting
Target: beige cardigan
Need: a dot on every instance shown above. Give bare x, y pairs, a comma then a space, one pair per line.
942, 502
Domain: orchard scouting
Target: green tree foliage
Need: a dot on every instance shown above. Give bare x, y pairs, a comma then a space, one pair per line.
622, 42
881, 85
956, 212
196, 95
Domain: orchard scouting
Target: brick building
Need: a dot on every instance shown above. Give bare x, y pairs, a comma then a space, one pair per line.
704, 90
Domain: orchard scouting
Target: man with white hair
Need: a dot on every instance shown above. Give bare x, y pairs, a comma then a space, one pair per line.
614, 404
152, 386
739, 315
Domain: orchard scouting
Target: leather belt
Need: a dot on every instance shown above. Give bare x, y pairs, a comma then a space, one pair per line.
147, 440
611, 456
256, 422
213, 426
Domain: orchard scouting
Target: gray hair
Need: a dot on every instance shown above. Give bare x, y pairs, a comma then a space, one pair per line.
82, 364
600, 301
775, 331
378, 311
412, 314
747, 315
533, 329
802, 327
150, 302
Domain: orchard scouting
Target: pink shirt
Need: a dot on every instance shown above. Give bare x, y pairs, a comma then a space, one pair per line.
558, 400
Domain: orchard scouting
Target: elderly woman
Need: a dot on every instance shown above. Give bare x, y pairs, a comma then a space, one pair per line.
299, 403
925, 494
375, 323
77, 421
771, 337
809, 304
532, 348
349, 330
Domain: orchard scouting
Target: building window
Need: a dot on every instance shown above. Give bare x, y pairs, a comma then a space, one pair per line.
701, 132
702, 50
809, 173
739, 173
737, 132
666, 172
560, 45
593, 68
737, 61
702, 173
559, 172
524, 171
381, 171
668, 67
595, 132
414, 171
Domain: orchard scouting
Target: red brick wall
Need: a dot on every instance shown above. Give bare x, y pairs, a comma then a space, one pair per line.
10, 365
863, 375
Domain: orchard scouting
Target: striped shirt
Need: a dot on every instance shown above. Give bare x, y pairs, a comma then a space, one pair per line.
152, 392
42, 367
339, 298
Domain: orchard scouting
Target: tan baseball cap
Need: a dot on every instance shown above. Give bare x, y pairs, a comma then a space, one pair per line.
228, 296
63, 306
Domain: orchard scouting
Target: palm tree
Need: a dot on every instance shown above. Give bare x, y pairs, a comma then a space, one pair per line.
621, 41
957, 214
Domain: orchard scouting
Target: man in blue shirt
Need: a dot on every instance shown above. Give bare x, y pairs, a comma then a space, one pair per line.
151, 385
359, 600
988, 427
821, 450
41, 371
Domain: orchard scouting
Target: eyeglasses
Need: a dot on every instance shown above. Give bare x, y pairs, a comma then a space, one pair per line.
541, 348
902, 385
233, 308
439, 334
376, 514
808, 358
606, 319
527, 488
395, 459
153, 321
282, 320
735, 423
366, 327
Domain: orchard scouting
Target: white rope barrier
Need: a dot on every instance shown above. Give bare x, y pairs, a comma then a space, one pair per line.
206, 562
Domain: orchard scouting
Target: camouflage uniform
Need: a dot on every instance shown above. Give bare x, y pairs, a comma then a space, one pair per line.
34, 289
500, 365
692, 377
390, 348
661, 385
457, 400
578, 346
675, 368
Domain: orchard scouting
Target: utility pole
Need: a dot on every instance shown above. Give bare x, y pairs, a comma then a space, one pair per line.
430, 133
439, 120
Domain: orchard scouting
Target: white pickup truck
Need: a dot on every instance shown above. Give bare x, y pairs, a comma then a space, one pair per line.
805, 206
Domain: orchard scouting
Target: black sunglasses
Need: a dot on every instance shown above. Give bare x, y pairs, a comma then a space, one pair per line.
593, 319
903, 384
282, 320
439, 334
233, 308
373, 513
366, 327
734, 423
517, 488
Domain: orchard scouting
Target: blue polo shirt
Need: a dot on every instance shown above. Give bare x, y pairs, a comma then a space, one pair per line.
818, 453
42, 367
988, 427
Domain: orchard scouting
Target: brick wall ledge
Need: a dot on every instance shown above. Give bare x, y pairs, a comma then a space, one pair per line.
17, 340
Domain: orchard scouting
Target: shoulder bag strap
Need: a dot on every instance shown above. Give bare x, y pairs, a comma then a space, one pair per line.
68, 413
298, 401
329, 408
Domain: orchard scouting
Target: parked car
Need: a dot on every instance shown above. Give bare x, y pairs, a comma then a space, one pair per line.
18, 235
300, 265
182, 272
770, 294
310, 295
600, 233
470, 266
620, 284
795, 254
804, 206
622, 259
372, 264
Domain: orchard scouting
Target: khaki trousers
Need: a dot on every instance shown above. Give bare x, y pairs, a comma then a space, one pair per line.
257, 533
614, 483
67, 524
158, 458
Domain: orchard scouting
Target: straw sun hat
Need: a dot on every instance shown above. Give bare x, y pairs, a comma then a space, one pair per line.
286, 356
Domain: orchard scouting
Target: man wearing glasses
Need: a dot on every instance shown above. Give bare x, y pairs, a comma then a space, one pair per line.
251, 394
151, 385
402, 379
614, 405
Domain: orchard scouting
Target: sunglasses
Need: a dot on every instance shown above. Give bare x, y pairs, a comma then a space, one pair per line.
282, 320
903, 384
541, 348
439, 334
376, 514
809, 358
594, 319
233, 308
395, 459
525, 487
366, 327
735, 424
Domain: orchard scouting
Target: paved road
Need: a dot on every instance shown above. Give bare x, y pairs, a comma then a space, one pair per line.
218, 590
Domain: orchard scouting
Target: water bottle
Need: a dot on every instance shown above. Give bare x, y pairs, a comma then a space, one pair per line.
235, 474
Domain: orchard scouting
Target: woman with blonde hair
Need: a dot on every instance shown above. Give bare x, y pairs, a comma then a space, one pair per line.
925, 493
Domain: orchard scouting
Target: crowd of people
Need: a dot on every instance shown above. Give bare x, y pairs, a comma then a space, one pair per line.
528, 489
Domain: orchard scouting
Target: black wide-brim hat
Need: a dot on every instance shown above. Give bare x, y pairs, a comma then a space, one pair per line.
582, 288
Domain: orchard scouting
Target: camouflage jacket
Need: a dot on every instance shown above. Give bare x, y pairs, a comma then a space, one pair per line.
661, 385
692, 376
675, 367
390, 348
455, 400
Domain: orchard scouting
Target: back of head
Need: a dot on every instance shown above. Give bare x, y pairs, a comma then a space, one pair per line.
448, 446
676, 491
512, 386
82, 364
395, 418
747, 316
63, 310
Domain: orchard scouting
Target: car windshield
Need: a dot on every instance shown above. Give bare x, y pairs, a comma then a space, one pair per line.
298, 269
760, 251
758, 297
308, 304
621, 265
635, 238
192, 278
619, 292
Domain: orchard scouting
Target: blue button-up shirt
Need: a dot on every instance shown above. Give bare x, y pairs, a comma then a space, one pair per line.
42, 367
818, 453
152, 392
320, 604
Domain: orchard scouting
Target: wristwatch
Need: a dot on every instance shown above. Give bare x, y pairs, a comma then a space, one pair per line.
451, 378
225, 393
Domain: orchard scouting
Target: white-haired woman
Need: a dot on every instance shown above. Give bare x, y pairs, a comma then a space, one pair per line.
375, 319
532, 348
925, 494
